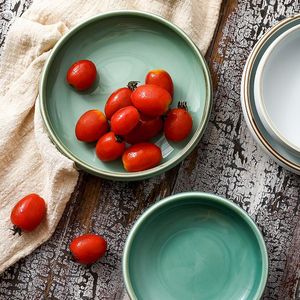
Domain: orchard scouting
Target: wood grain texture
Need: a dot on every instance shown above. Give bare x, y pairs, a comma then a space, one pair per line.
9, 10
226, 162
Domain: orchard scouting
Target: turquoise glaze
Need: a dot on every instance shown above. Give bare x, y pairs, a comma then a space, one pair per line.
195, 246
124, 45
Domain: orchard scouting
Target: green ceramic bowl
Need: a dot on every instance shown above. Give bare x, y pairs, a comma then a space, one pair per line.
124, 45
195, 246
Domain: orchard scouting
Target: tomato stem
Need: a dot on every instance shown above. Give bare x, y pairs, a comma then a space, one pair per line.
132, 85
119, 139
16, 230
183, 105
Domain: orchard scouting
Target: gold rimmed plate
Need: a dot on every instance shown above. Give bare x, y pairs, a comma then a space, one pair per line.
276, 150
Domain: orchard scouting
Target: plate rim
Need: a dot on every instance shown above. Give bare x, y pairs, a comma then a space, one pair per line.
247, 109
201, 196
261, 109
124, 176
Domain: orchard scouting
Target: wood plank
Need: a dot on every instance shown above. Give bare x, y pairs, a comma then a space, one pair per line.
227, 162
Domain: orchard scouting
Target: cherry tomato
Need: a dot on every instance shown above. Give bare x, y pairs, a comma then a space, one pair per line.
119, 99
88, 248
110, 147
124, 120
140, 157
91, 126
28, 213
178, 124
146, 129
82, 75
151, 100
161, 78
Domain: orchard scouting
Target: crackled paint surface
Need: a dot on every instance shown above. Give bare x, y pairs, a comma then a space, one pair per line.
227, 162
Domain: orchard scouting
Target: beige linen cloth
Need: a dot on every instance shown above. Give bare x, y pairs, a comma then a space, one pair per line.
29, 163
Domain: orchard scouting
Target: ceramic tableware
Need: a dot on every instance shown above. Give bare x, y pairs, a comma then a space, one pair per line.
277, 89
195, 246
124, 45
277, 150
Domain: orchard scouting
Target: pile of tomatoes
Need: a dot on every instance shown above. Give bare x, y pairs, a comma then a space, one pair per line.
133, 116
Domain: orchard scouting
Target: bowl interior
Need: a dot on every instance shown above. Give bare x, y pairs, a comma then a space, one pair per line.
196, 247
280, 88
124, 47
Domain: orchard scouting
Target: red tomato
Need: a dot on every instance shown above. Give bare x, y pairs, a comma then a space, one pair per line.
178, 124
146, 129
88, 248
28, 213
110, 147
151, 100
124, 120
140, 157
91, 126
161, 78
119, 99
82, 74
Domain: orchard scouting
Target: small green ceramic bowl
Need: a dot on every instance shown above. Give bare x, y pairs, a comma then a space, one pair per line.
124, 45
195, 246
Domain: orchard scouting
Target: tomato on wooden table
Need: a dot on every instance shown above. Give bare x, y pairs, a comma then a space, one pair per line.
82, 75
146, 129
124, 120
151, 100
88, 248
140, 157
110, 147
91, 126
161, 78
28, 213
119, 99
178, 124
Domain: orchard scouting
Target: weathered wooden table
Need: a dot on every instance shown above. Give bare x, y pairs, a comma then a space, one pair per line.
227, 162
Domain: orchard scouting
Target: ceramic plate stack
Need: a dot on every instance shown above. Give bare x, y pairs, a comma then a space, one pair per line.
270, 93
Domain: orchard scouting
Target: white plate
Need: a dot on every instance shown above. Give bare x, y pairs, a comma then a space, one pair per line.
277, 89
281, 154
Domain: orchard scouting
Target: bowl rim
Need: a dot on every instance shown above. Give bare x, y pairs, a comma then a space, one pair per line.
201, 196
258, 88
245, 97
124, 176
